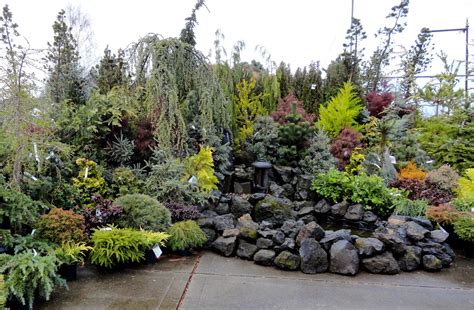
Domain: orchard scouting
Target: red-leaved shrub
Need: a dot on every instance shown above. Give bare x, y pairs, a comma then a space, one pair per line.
342, 147
376, 103
285, 106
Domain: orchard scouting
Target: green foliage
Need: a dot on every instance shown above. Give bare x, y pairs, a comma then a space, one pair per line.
201, 166
293, 137
331, 185
185, 235
111, 71
19, 208
318, 159
3, 293
466, 185
354, 167
143, 211
341, 111
27, 275
263, 144
115, 246
89, 180
124, 181
372, 193
464, 228
121, 150
165, 184
62, 226
444, 178
408, 207
21, 244
463, 204
247, 107
70, 253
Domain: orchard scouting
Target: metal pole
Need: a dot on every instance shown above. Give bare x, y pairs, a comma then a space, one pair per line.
466, 81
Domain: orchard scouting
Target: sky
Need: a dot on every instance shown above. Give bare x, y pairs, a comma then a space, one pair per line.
297, 31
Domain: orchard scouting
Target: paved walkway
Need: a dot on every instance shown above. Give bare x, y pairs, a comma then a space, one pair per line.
231, 283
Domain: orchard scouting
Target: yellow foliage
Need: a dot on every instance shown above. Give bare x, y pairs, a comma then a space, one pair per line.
201, 166
410, 171
466, 185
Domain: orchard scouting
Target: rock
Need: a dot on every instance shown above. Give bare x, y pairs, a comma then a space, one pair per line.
242, 174
275, 190
332, 237
291, 228
339, 209
369, 217
240, 206
415, 231
369, 246
411, 259
256, 197
224, 246
225, 199
283, 173
211, 236
246, 250
310, 231
322, 207
431, 263
354, 213
288, 244
397, 219
344, 258
382, 263
394, 237
206, 222
288, 191
222, 208
248, 228
273, 210
442, 251
223, 222
267, 233
263, 243
288, 261
279, 237
313, 257
303, 186
422, 221
308, 218
264, 257
305, 211
438, 235
265, 225
233, 232
242, 187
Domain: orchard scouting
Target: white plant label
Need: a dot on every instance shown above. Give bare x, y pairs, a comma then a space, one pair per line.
157, 250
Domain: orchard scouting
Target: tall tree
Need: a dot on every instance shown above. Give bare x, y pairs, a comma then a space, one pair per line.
111, 71
62, 57
381, 56
187, 33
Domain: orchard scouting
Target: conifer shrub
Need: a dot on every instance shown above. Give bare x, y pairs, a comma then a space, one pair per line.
443, 214
290, 105
143, 212
185, 235
318, 158
294, 139
62, 226
263, 144
444, 178
89, 181
464, 228
410, 171
342, 147
201, 166
377, 103
466, 185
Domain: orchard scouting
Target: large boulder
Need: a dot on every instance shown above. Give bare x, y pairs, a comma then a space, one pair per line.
415, 231
263, 243
383, 263
224, 246
312, 231
369, 246
287, 260
291, 228
248, 228
275, 190
442, 251
246, 250
240, 206
332, 237
211, 236
393, 236
438, 235
354, 213
256, 197
411, 259
344, 258
369, 217
222, 208
274, 210
223, 222
313, 257
264, 257
284, 174
431, 263
339, 209
279, 237
322, 207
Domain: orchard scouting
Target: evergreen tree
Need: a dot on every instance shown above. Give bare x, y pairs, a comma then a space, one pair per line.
284, 78
64, 81
187, 33
111, 71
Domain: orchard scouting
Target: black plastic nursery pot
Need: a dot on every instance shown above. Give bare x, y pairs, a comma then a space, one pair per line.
150, 257
468, 249
68, 272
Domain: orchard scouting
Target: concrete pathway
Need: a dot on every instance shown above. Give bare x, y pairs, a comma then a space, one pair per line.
231, 283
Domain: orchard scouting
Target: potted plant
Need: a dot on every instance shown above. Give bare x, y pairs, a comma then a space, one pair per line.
464, 228
185, 236
113, 247
71, 254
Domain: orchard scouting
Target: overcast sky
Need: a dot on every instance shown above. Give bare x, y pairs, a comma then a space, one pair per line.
296, 31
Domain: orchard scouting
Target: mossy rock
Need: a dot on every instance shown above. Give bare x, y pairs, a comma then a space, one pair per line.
274, 210
288, 261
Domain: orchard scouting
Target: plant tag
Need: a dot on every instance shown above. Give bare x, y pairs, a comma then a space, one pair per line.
105, 228
193, 180
35, 253
33, 232
157, 250
86, 173
393, 160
